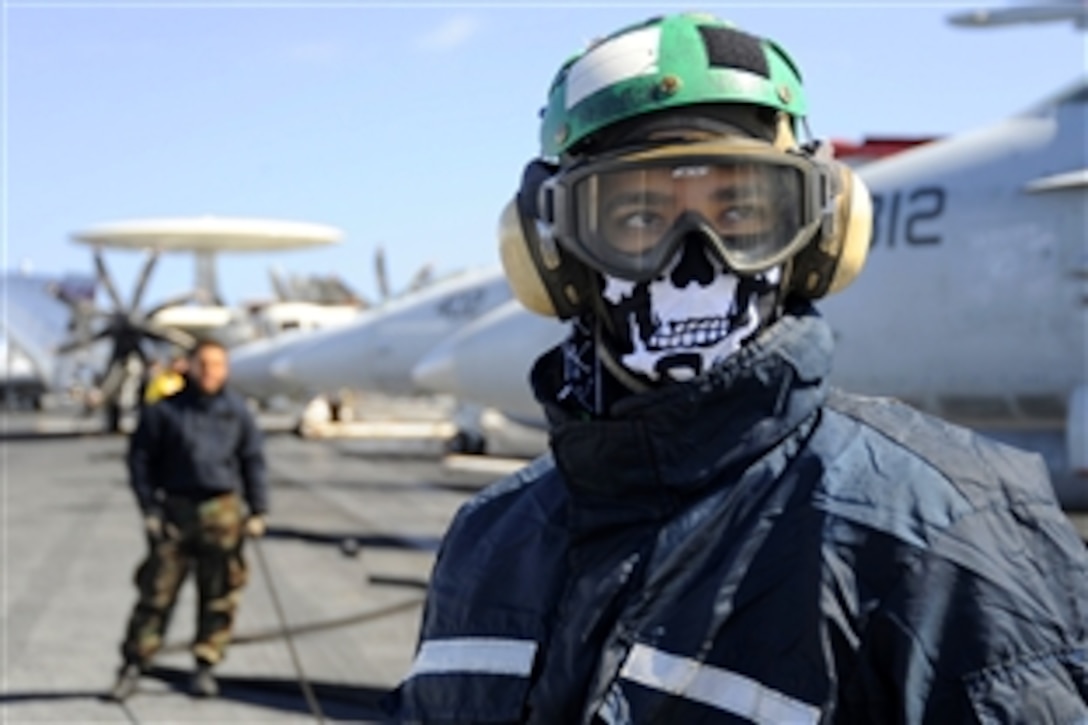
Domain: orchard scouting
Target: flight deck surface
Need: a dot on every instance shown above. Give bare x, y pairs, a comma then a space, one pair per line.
72, 538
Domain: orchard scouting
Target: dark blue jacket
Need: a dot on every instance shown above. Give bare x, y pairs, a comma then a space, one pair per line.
197, 445
750, 548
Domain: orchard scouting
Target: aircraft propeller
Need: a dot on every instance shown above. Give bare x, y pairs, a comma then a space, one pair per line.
129, 328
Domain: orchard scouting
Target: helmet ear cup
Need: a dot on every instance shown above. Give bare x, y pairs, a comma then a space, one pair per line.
522, 271
542, 276
836, 254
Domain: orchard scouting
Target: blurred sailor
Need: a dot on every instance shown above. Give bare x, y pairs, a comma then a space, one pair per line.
197, 468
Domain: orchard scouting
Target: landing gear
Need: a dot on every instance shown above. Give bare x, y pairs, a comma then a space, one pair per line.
113, 418
467, 442
336, 410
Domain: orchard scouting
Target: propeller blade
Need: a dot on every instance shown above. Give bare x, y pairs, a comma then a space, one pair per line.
141, 282
170, 335
298, 288
181, 299
73, 345
106, 280
59, 293
279, 287
141, 353
72, 300
381, 273
113, 380
79, 324
95, 314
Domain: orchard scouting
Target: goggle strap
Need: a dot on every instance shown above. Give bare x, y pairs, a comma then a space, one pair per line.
620, 373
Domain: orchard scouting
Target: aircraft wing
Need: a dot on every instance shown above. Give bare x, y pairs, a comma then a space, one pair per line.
35, 321
1059, 182
1075, 11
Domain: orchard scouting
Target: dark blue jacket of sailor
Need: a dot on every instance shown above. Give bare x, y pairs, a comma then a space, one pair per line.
753, 547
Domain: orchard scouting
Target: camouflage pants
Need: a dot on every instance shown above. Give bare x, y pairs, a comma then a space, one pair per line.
205, 536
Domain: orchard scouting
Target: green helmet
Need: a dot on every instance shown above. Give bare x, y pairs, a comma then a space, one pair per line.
661, 63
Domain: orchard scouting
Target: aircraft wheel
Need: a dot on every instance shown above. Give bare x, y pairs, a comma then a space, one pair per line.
467, 442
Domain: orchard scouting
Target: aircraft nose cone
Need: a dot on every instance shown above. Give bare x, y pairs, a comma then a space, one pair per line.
437, 371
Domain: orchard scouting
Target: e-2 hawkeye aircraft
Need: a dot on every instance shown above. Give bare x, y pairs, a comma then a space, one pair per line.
72, 343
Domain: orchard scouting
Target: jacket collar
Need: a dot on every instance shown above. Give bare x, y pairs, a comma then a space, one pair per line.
661, 446
194, 396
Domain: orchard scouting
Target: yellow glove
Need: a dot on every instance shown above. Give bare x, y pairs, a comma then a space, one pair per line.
255, 527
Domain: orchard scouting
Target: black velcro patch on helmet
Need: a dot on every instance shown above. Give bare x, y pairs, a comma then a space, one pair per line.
728, 48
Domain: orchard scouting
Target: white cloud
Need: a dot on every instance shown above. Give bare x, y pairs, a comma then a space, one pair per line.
450, 34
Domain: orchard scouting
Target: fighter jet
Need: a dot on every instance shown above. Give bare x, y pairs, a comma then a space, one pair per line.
973, 304
376, 351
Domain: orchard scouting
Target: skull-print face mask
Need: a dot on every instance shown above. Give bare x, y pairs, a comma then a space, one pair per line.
690, 317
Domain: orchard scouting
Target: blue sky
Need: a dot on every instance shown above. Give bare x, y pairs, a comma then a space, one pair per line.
401, 124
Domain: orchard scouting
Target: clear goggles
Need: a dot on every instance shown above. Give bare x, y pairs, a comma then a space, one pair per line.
626, 215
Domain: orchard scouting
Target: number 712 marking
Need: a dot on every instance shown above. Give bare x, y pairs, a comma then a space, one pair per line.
902, 215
